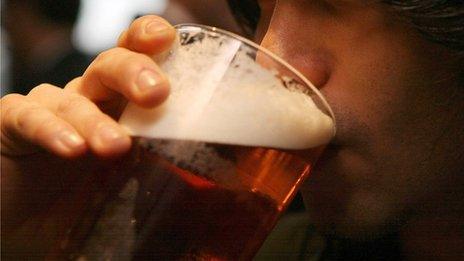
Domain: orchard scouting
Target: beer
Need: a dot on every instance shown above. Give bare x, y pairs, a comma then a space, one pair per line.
204, 220
212, 207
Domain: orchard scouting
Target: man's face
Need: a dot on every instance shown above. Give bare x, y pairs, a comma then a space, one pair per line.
392, 156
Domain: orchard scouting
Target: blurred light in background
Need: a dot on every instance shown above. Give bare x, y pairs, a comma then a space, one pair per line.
101, 21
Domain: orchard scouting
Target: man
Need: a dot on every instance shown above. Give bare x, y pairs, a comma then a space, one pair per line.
392, 72
394, 170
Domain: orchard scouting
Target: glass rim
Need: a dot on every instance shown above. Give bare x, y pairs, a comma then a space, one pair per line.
273, 56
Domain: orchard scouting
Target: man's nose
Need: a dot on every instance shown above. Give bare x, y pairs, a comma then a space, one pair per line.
309, 60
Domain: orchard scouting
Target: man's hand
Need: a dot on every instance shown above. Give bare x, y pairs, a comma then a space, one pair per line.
53, 140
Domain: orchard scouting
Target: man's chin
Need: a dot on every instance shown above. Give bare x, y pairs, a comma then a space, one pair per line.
359, 220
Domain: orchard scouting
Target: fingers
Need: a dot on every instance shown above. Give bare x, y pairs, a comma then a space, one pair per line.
25, 123
62, 122
149, 35
68, 122
131, 72
101, 133
120, 71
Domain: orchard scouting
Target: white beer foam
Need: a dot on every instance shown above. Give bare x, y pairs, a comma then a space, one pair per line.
219, 94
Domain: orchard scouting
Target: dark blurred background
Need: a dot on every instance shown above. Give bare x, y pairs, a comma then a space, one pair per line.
53, 41
39, 43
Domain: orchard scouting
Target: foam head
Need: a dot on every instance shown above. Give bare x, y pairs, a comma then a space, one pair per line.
221, 94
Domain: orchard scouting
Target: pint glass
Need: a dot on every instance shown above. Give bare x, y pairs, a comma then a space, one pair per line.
216, 164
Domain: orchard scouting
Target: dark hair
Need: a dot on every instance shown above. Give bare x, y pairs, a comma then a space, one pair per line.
440, 21
55, 11
247, 13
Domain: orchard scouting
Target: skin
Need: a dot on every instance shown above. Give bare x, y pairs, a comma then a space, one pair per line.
397, 158
394, 165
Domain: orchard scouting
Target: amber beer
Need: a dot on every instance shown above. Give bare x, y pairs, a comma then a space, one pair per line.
187, 211
188, 200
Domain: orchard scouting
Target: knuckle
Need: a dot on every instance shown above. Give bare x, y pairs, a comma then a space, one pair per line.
122, 38
41, 89
45, 128
98, 64
108, 54
102, 59
8, 115
71, 103
149, 18
9, 106
24, 118
135, 62
73, 83
11, 100
142, 20
45, 86
137, 28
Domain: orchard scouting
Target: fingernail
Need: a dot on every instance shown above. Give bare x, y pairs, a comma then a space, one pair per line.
70, 139
109, 134
147, 80
110, 140
155, 27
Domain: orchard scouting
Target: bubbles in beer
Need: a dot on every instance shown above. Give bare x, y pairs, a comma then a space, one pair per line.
221, 94
114, 233
197, 157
